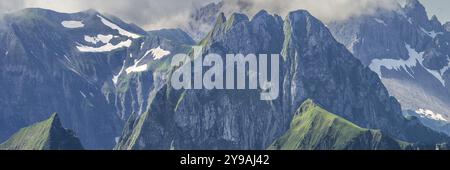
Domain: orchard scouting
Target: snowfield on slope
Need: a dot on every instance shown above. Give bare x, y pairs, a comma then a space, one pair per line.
424, 113
105, 48
99, 38
158, 53
398, 64
115, 27
72, 24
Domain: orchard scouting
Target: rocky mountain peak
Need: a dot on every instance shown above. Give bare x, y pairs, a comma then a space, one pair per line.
307, 28
237, 18
221, 18
414, 5
417, 13
45, 135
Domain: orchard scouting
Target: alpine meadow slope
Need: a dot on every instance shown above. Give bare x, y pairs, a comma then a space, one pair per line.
45, 135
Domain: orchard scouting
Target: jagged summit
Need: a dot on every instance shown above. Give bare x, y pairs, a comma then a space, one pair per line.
417, 14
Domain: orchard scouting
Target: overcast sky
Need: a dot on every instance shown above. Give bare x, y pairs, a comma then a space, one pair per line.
154, 14
440, 8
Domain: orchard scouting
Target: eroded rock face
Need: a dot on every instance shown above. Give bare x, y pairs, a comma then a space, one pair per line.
314, 66
94, 70
447, 26
409, 52
42, 72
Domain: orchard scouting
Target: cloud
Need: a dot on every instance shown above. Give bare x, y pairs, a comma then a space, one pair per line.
149, 14
9, 6
154, 14
326, 10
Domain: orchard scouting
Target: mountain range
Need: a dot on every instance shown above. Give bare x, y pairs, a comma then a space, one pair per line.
410, 53
108, 80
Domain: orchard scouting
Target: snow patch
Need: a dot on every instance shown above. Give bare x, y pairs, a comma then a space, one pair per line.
380, 21
443, 70
105, 48
136, 69
414, 57
354, 40
410, 20
396, 64
72, 24
99, 38
67, 58
116, 77
115, 27
424, 113
142, 45
84, 95
117, 139
157, 53
432, 34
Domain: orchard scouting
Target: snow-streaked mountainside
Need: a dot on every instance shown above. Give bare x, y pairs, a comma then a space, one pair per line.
314, 65
91, 68
408, 50
428, 114
108, 80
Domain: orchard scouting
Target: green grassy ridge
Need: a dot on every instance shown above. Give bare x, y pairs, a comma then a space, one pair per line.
314, 128
34, 137
45, 135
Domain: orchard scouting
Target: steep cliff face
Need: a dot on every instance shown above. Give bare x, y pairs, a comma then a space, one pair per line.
314, 66
94, 70
45, 135
202, 119
43, 71
409, 52
314, 128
